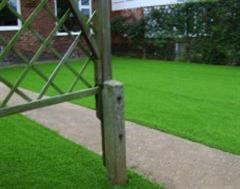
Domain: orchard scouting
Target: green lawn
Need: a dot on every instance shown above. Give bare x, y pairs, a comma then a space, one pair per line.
32, 156
197, 102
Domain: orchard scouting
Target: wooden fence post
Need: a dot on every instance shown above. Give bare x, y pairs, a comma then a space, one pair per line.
114, 132
110, 102
104, 67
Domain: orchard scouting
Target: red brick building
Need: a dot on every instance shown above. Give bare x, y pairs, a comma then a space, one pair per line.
44, 23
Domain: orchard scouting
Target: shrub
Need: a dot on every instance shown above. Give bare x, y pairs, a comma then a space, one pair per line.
209, 29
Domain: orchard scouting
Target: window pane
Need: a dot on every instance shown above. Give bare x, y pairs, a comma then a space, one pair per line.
84, 2
7, 18
71, 23
86, 12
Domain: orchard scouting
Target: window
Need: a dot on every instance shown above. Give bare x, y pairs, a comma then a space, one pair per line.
8, 21
61, 7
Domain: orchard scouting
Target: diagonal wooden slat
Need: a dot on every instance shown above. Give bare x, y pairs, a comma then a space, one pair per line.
3, 4
29, 21
63, 62
35, 58
39, 37
89, 54
25, 61
89, 21
86, 32
85, 82
79, 75
58, 67
18, 91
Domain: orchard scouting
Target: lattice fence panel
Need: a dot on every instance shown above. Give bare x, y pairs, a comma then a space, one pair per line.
45, 44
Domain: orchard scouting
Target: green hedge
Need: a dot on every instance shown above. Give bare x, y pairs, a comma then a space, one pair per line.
209, 29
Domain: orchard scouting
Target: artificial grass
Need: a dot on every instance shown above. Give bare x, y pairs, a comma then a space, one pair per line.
193, 101
32, 156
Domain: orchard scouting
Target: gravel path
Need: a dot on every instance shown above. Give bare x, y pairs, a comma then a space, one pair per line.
174, 162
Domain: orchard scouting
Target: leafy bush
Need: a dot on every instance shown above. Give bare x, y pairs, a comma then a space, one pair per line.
134, 40
209, 31
118, 26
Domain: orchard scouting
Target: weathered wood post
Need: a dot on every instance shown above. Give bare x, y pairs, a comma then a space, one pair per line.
114, 131
110, 103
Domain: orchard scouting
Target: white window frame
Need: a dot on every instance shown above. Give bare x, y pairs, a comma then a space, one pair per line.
80, 7
18, 26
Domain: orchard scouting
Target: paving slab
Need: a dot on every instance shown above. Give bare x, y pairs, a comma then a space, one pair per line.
171, 161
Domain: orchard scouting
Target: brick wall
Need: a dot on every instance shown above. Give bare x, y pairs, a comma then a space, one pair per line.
130, 14
44, 23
